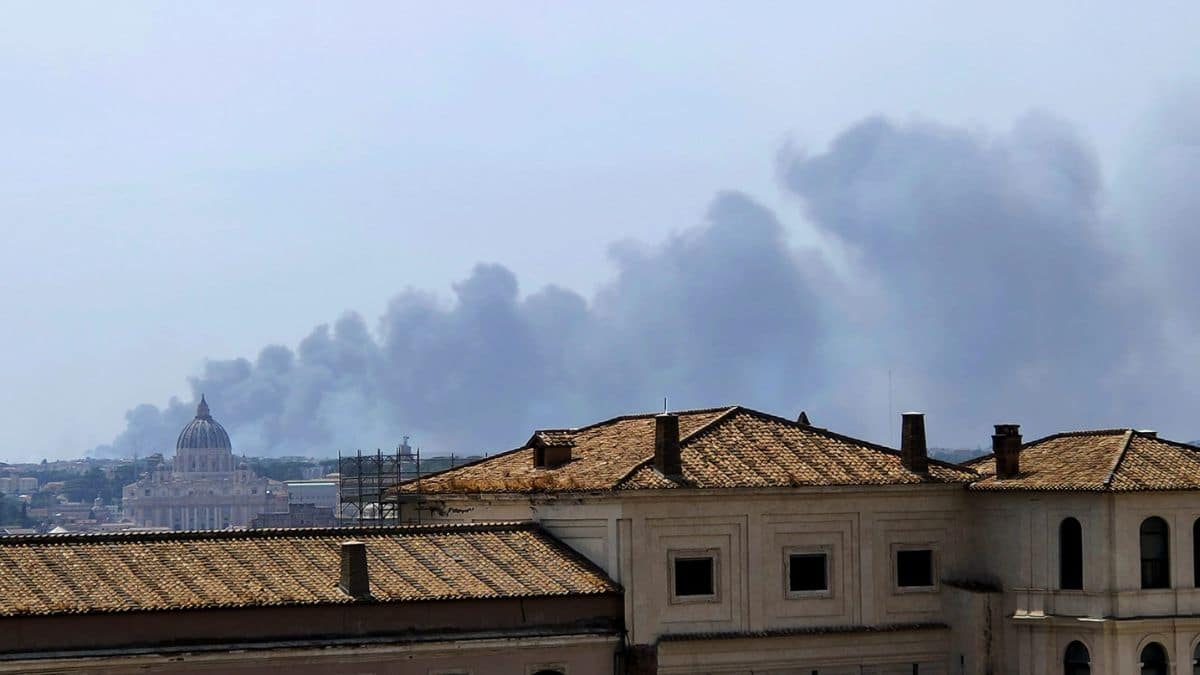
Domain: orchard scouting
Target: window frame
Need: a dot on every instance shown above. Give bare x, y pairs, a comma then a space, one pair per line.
1167, 582
934, 567
1075, 667
1166, 656
1062, 561
824, 551
1196, 556
693, 554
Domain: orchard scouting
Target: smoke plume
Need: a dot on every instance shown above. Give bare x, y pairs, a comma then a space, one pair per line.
990, 274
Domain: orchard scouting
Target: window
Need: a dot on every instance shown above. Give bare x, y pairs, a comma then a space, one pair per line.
694, 576
807, 572
914, 568
1196, 553
1077, 661
1196, 660
1154, 660
1156, 566
1070, 555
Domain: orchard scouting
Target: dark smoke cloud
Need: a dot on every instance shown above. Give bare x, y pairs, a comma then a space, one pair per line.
997, 290
703, 317
989, 273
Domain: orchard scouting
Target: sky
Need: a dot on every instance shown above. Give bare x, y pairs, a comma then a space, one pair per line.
348, 222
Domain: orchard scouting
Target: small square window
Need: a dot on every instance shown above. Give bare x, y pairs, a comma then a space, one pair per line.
694, 577
914, 568
808, 572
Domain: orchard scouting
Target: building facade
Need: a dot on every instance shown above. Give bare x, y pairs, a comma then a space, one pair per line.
748, 543
722, 540
205, 487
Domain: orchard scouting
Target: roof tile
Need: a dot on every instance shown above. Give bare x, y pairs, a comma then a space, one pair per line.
1108, 460
57, 574
730, 447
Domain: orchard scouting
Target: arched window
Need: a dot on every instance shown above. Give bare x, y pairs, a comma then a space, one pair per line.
1196, 552
1070, 555
1196, 661
1077, 661
1154, 660
1156, 565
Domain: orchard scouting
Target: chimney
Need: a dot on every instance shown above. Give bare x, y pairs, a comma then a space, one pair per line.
1006, 444
912, 442
666, 445
355, 581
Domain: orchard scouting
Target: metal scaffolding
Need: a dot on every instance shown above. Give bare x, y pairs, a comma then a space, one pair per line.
365, 480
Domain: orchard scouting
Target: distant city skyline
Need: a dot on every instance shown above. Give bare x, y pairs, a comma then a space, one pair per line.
769, 205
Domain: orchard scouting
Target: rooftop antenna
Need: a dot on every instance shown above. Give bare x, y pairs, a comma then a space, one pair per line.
664, 405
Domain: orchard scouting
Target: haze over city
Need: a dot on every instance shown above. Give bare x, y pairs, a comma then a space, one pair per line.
343, 227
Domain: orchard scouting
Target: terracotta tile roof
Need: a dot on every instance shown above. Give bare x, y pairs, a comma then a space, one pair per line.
1108, 460
747, 448
602, 454
730, 447
73, 574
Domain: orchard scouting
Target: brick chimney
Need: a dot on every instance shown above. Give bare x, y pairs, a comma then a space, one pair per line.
355, 582
1006, 444
666, 445
912, 442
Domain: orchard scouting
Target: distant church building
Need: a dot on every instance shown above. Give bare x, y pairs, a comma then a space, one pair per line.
206, 487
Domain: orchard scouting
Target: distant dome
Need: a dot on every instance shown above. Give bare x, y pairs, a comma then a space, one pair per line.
203, 432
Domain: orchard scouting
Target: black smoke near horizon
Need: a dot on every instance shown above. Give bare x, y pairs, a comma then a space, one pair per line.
987, 273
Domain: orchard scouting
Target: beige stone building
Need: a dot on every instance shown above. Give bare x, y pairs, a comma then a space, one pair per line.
205, 488
749, 543
723, 540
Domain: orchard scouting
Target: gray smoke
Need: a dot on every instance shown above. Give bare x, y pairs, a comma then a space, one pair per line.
704, 317
988, 273
996, 290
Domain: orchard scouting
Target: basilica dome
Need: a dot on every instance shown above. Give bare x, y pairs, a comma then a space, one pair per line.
203, 432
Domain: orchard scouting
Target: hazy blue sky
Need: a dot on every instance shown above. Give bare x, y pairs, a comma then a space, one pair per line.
192, 181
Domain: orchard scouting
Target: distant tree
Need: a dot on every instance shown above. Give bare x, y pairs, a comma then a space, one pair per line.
12, 512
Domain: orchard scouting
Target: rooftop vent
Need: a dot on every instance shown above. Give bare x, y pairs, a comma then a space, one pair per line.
666, 445
1148, 433
1006, 445
913, 453
803, 419
355, 581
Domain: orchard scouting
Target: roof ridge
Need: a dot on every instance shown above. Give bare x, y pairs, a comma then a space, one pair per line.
268, 532
1112, 473
639, 416
707, 426
1084, 432
691, 435
481, 460
1179, 444
851, 439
